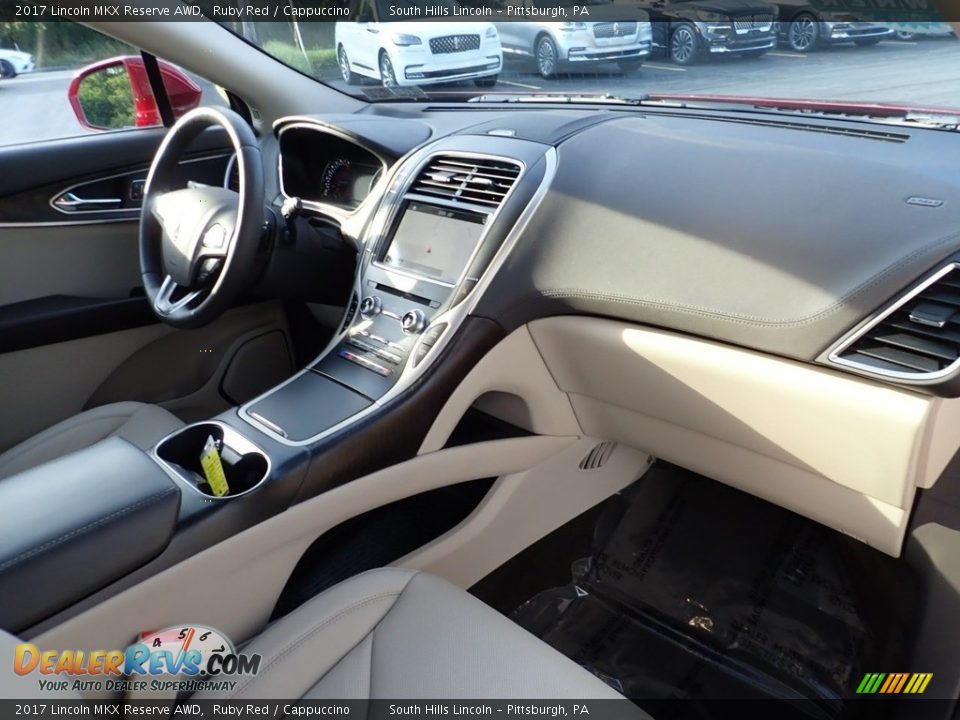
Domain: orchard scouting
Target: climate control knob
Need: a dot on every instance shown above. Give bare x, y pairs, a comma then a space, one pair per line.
371, 305
413, 322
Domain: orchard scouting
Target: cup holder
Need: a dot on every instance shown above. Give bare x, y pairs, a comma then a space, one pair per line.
244, 465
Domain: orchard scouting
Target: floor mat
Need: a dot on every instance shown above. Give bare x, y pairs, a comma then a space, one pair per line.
694, 590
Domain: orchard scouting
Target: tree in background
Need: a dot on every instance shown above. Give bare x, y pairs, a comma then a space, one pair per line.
61, 44
107, 99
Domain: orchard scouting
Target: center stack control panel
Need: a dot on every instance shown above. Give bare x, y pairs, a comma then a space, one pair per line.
434, 246
391, 327
444, 218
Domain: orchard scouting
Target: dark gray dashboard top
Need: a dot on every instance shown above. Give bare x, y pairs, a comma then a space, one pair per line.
777, 233
774, 238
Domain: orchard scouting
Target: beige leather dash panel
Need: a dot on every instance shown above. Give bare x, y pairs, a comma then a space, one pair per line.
842, 450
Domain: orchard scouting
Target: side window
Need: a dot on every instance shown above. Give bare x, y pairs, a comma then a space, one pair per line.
62, 79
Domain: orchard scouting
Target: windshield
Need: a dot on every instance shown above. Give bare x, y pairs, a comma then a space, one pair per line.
683, 50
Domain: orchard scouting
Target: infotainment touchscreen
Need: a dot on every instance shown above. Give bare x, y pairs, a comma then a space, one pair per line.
434, 242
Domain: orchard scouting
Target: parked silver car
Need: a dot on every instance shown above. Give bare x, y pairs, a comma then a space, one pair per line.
559, 46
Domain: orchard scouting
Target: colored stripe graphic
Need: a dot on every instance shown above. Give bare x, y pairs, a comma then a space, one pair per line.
903, 681
894, 683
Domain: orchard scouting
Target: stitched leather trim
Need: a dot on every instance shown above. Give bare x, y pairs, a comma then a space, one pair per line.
50, 544
287, 649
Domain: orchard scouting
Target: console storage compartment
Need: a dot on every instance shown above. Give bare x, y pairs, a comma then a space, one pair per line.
74, 525
307, 405
244, 464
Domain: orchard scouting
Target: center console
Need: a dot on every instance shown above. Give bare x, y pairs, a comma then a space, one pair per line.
446, 221
434, 237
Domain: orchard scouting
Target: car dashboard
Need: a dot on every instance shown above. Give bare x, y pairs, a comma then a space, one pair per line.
663, 302
640, 237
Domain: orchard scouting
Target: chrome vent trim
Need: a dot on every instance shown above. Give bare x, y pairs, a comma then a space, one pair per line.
479, 181
901, 343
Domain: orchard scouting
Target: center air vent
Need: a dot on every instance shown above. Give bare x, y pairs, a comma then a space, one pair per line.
919, 336
482, 181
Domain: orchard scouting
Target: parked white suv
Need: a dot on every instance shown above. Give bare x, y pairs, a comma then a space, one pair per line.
418, 53
555, 46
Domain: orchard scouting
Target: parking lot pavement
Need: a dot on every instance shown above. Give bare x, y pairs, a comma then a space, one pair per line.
35, 107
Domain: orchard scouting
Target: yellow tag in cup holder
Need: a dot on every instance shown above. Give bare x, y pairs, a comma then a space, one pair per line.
213, 468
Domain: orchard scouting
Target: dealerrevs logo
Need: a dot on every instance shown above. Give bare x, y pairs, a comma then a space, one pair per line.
194, 651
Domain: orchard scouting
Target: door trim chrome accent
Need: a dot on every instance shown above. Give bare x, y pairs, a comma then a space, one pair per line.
128, 213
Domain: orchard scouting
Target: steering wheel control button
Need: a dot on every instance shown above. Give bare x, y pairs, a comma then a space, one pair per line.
365, 362
413, 322
215, 237
207, 268
371, 306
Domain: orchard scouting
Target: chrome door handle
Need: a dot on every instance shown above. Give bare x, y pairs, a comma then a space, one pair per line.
69, 202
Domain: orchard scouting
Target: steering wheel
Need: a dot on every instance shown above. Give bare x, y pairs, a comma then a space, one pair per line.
198, 244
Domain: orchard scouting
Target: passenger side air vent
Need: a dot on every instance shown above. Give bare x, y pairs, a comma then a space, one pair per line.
482, 181
598, 455
919, 336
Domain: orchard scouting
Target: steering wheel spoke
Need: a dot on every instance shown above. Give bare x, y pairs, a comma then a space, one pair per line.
165, 304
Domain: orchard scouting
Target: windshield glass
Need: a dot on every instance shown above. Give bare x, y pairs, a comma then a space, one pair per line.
680, 50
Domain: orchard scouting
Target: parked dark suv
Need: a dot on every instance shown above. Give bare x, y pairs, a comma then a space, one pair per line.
806, 29
691, 30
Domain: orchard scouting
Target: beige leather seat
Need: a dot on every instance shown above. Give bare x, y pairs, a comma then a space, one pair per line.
399, 634
140, 424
